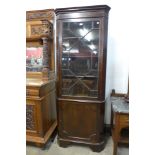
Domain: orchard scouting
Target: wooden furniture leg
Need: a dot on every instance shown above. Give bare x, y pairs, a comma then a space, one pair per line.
111, 121
115, 148
116, 134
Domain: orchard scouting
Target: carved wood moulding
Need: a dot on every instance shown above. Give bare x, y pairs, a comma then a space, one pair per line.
42, 29
30, 122
47, 14
37, 29
45, 53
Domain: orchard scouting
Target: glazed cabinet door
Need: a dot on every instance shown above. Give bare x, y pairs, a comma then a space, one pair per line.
79, 53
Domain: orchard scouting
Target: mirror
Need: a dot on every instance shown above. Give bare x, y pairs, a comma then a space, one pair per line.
34, 58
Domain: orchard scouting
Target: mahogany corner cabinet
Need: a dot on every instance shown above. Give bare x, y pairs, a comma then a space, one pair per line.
81, 75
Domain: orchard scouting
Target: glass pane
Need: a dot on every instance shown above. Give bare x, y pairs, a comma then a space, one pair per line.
80, 43
87, 45
80, 87
34, 58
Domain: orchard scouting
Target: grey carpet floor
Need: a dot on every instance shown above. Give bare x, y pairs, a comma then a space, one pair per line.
54, 149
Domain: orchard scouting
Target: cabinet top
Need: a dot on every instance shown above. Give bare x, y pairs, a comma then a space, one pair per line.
83, 8
119, 105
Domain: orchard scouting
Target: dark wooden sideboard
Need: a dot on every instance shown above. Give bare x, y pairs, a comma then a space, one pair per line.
81, 73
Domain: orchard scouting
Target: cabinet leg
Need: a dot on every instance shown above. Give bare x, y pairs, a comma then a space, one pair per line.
63, 143
39, 145
96, 148
46, 145
115, 148
99, 147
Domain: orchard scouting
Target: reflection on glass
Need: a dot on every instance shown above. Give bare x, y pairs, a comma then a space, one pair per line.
34, 58
80, 43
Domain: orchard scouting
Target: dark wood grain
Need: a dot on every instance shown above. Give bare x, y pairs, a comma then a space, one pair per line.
81, 119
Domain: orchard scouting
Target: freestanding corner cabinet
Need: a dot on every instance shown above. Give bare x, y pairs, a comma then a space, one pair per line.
81, 63
40, 80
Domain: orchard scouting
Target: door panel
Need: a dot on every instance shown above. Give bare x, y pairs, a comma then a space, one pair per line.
77, 120
33, 117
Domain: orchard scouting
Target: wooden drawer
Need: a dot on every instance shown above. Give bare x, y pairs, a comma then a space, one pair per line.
39, 89
124, 119
32, 92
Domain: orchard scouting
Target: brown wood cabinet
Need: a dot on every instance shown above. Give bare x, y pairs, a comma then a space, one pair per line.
81, 74
40, 77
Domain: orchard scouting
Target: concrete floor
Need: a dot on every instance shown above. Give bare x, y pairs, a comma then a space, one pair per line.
54, 149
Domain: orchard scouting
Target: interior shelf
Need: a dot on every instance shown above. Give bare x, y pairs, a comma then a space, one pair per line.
79, 76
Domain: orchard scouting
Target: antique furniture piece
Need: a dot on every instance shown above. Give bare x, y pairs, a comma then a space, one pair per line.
81, 74
119, 120
40, 79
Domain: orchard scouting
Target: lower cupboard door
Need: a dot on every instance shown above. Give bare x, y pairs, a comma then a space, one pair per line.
78, 121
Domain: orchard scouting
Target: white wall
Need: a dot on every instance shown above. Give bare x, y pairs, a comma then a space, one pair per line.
118, 40
117, 55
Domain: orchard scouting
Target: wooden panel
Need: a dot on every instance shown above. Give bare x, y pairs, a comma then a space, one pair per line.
48, 118
30, 117
34, 15
38, 29
124, 119
44, 139
78, 120
32, 124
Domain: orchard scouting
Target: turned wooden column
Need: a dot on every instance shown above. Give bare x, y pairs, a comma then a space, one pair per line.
45, 54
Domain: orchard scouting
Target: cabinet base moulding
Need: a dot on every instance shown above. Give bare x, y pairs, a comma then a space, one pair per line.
42, 140
95, 147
